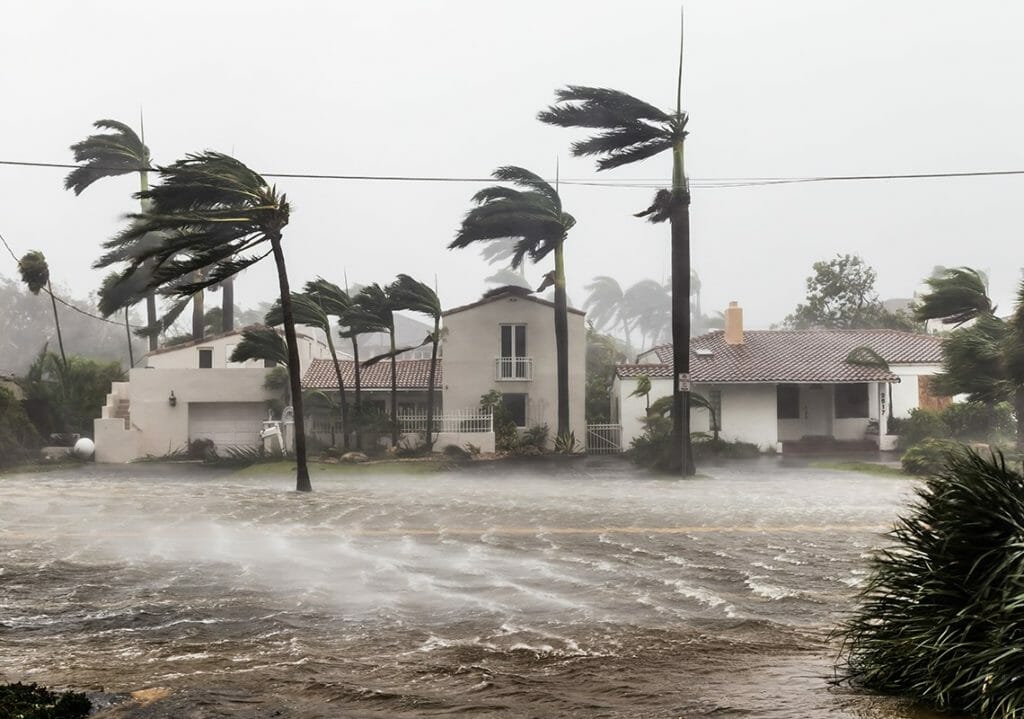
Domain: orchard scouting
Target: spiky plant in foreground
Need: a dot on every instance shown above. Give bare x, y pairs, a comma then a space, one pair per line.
942, 617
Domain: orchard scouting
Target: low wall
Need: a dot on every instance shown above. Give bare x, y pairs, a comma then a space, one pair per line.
114, 443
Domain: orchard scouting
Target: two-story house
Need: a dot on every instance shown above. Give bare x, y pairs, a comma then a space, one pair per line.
191, 391
506, 341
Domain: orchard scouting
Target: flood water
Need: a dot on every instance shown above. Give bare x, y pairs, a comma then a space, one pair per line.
594, 591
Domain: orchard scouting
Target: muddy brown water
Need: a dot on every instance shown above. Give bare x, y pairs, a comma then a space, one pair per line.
591, 591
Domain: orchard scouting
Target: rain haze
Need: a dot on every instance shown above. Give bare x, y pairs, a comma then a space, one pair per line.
451, 89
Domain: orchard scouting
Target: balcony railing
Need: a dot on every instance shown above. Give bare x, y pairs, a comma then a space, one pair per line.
513, 369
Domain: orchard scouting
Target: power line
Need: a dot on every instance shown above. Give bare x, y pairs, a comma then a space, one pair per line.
67, 304
636, 183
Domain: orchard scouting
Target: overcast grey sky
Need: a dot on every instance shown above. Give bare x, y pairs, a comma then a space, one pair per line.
782, 88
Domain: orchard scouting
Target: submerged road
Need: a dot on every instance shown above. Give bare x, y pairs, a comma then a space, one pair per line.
593, 591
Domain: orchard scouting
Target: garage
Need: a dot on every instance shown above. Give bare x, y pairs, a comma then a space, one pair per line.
228, 424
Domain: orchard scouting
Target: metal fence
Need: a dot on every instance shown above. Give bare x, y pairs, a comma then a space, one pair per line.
604, 439
513, 368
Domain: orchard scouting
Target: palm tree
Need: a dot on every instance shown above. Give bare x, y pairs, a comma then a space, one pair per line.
649, 304
606, 306
533, 217
308, 310
111, 154
210, 210
633, 130
335, 302
413, 295
35, 273
109, 282
984, 360
373, 311
643, 389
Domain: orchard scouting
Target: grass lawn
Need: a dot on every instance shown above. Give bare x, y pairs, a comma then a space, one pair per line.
883, 470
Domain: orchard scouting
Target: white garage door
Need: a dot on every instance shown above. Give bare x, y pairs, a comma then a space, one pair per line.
228, 424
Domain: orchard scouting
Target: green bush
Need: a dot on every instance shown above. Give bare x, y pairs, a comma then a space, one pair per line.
535, 436
922, 424
707, 447
506, 435
978, 421
30, 701
942, 616
18, 438
928, 456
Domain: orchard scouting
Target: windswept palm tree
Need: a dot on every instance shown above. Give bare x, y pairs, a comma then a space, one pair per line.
335, 302
413, 295
108, 282
373, 311
606, 307
984, 360
217, 216
35, 273
632, 130
110, 154
534, 217
307, 310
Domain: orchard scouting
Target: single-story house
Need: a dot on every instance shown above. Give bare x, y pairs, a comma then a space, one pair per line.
783, 388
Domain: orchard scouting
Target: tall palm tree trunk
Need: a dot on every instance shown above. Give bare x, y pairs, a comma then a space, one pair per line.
56, 321
198, 315
227, 307
682, 455
394, 392
302, 483
561, 341
128, 331
151, 295
359, 393
430, 384
341, 391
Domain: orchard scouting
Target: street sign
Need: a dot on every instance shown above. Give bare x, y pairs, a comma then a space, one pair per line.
684, 382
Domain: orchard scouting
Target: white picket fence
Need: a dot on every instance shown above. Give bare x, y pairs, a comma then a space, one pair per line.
604, 439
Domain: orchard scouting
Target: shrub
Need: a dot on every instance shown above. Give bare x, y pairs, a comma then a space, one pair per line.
454, 451
928, 456
705, 447
506, 436
535, 436
978, 421
922, 424
567, 444
18, 438
30, 701
942, 616
202, 449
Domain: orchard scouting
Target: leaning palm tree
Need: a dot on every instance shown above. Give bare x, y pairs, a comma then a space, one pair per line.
216, 215
413, 295
985, 359
633, 130
606, 307
533, 216
307, 310
373, 311
35, 273
335, 302
110, 154
108, 283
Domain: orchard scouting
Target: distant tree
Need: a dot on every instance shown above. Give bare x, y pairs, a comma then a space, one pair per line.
210, 209
984, 360
35, 273
66, 395
373, 310
335, 302
841, 295
533, 216
603, 353
643, 389
108, 282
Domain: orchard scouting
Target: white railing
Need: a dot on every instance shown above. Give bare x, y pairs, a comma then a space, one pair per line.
513, 369
604, 438
470, 420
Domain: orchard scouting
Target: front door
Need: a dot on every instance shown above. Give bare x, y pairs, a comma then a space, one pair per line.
816, 407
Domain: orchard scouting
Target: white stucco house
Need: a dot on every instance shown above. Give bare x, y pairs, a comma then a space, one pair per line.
789, 389
191, 391
506, 341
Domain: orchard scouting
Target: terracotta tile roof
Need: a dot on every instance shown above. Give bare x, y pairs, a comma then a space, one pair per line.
412, 374
794, 356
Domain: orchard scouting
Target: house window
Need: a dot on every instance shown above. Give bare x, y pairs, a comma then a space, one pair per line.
715, 400
513, 363
516, 406
206, 358
851, 401
788, 401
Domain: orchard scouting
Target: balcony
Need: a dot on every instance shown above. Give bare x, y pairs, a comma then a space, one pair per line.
513, 369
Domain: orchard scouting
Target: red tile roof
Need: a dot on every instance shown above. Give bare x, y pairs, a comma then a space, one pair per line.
412, 374
794, 356
504, 293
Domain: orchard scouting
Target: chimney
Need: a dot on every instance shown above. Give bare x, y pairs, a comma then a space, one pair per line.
734, 324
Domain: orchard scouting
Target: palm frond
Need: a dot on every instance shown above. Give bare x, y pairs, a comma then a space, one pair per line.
34, 271
305, 310
410, 294
106, 155
581, 106
632, 154
619, 139
334, 300
261, 343
955, 296
524, 178
660, 209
